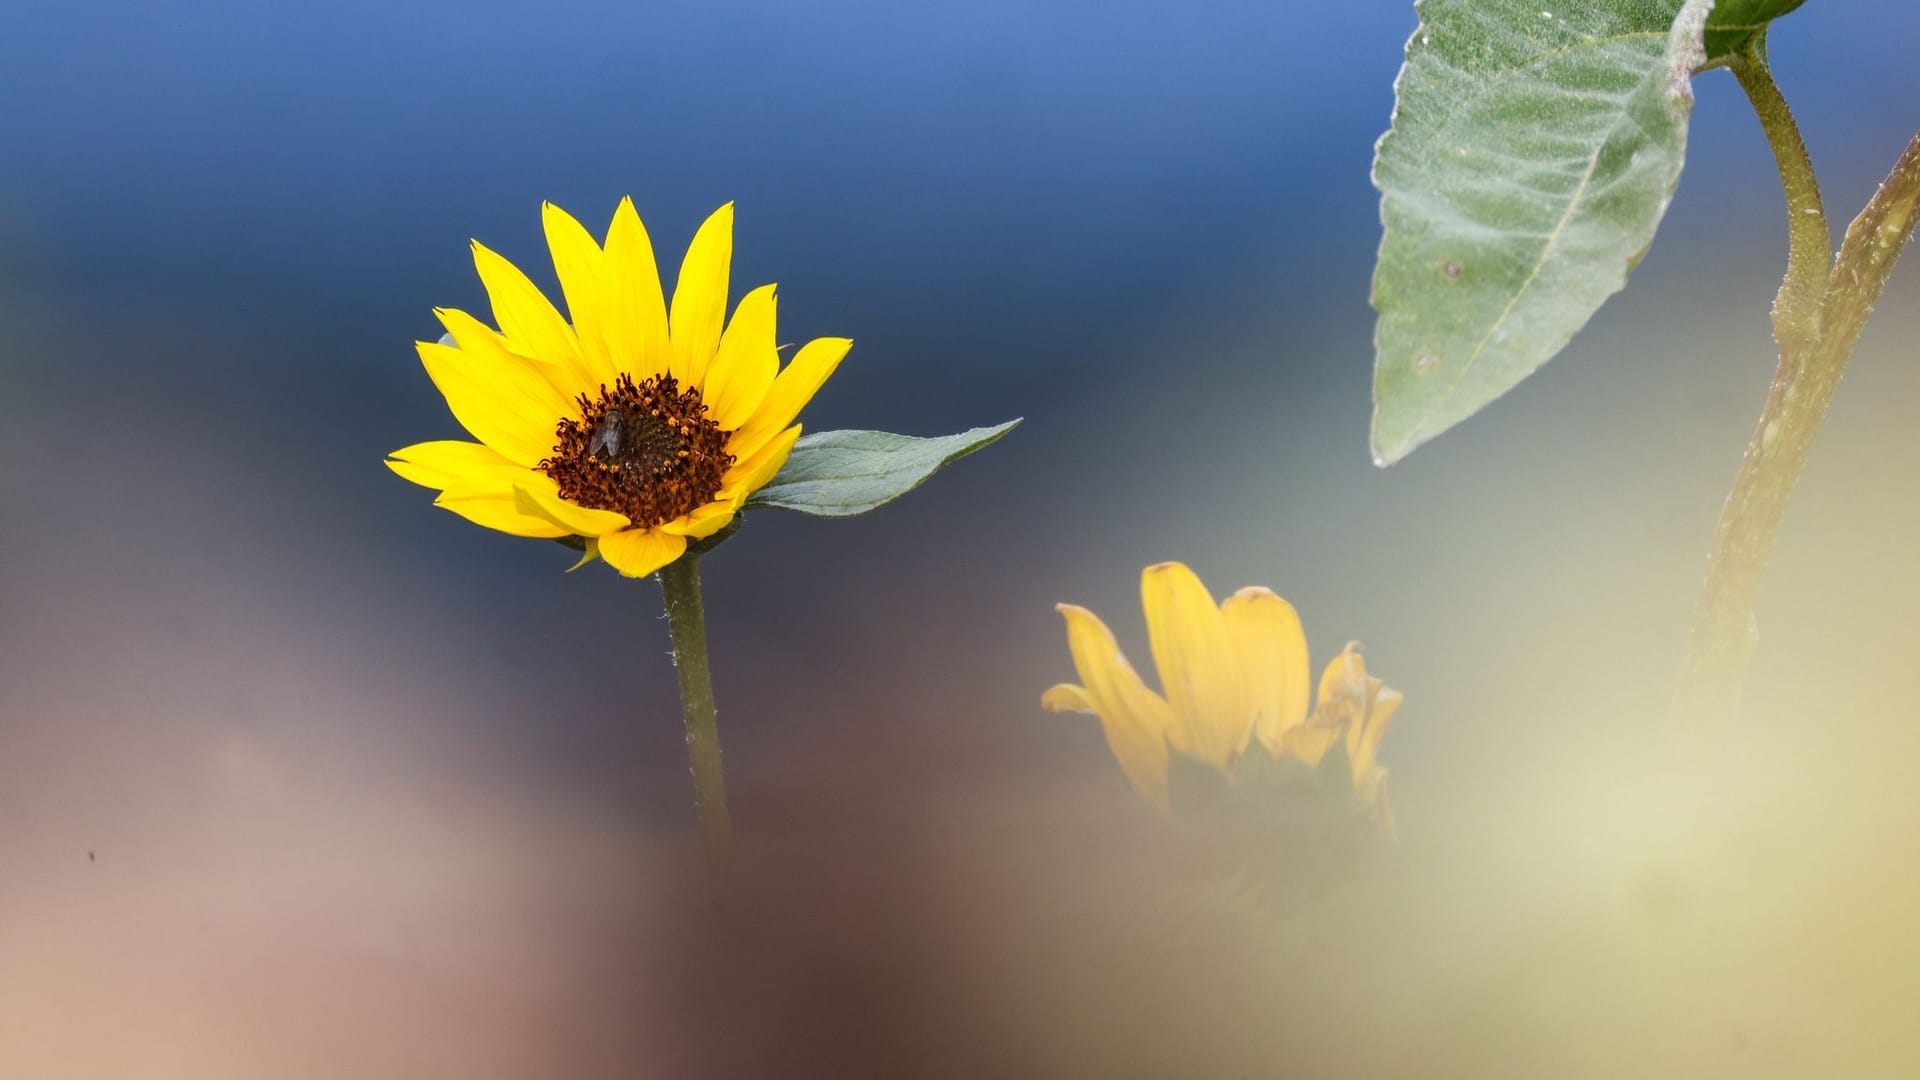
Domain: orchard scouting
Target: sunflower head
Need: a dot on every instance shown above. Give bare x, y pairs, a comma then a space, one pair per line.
647, 450
630, 425
1236, 703
1269, 781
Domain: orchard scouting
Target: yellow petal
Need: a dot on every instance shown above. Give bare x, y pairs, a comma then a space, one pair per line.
1135, 718
1199, 664
477, 338
530, 323
544, 501
743, 370
637, 553
504, 402
700, 297
1309, 741
591, 553
1066, 697
1344, 690
1363, 739
1344, 675
633, 310
470, 333
791, 390
576, 261
749, 476
1273, 655
464, 467
498, 512
702, 523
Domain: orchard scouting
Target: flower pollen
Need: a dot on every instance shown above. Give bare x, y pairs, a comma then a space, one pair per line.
647, 450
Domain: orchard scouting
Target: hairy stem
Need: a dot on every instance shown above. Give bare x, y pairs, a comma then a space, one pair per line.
686, 622
1796, 308
1822, 306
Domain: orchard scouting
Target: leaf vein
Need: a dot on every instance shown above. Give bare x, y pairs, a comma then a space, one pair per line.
1546, 253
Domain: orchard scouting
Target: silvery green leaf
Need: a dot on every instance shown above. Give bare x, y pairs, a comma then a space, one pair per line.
1535, 146
843, 473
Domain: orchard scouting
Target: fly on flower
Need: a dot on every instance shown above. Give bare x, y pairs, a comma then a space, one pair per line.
1237, 701
606, 438
635, 425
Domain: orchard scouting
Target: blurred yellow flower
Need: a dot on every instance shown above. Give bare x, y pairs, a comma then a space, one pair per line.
1231, 673
631, 425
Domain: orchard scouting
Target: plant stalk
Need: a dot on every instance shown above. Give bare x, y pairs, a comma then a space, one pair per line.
1822, 306
686, 622
1796, 308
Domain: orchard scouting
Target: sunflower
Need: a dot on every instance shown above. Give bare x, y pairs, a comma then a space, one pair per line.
1232, 673
631, 425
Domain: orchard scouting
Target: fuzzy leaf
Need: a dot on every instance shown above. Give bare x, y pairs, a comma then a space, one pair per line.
843, 473
1535, 146
1736, 22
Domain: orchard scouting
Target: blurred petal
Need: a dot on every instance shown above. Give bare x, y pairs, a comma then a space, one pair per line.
502, 402
1309, 741
743, 369
1344, 690
1136, 719
545, 502
700, 297
633, 311
791, 390
1363, 739
1066, 697
637, 553
1273, 655
1373, 792
1199, 664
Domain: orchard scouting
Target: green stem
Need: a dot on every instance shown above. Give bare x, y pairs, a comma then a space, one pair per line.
1796, 308
1818, 315
686, 622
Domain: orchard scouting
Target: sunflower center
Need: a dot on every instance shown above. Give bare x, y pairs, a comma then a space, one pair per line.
647, 450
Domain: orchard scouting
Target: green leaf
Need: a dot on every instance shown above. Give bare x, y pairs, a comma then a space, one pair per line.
843, 473
1534, 147
1736, 22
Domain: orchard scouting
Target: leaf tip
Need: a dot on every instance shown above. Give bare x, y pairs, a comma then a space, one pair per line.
1393, 433
1386, 455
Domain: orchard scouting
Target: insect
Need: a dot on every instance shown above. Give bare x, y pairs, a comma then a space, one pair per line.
606, 436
